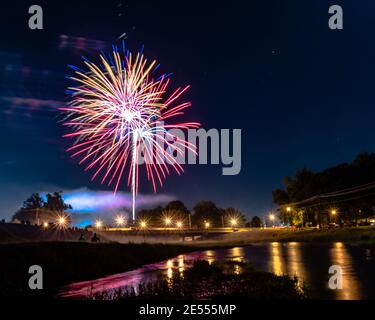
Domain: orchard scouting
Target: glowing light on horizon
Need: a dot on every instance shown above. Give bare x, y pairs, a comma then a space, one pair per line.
120, 220
62, 221
116, 114
98, 224
143, 224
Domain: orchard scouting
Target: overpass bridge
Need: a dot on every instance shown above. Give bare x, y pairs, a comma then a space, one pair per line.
163, 234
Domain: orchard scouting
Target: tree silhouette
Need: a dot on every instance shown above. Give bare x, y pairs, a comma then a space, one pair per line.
35, 201
55, 202
306, 184
232, 213
36, 210
207, 211
256, 222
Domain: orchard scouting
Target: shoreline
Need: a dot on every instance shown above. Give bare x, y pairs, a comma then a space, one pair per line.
352, 235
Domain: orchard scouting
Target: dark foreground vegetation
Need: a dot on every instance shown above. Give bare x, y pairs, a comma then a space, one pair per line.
66, 262
230, 280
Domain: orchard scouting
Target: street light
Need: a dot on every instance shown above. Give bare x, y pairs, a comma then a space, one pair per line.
167, 221
179, 224
272, 217
61, 221
207, 224
98, 224
45, 225
143, 224
288, 209
120, 221
333, 212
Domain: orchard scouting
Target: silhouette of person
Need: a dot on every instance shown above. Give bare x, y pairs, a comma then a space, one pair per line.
82, 237
95, 238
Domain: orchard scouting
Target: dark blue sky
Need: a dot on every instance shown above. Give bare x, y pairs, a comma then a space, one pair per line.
301, 93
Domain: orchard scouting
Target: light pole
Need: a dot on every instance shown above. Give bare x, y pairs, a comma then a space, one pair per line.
333, 214
179, 226
233, 222
272, 218
143, 226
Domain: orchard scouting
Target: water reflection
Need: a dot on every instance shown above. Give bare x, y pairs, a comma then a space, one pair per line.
169, 269
296, 267
237, 254
276, 260
210, 256
237, 269
181, 265
310, 263
340, 256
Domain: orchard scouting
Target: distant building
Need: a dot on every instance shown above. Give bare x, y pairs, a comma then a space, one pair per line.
371, 220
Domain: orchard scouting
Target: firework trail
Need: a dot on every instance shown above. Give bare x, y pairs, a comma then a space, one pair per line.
119, 111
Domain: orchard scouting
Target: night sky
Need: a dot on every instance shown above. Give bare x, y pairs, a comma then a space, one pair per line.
301, 93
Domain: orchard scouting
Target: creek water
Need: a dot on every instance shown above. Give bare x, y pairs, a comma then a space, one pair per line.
309, 262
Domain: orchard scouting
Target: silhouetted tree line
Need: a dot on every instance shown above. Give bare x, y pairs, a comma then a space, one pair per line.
204, 211
349, 208
36, 210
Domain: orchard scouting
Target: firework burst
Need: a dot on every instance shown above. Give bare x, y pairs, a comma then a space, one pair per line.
120, 112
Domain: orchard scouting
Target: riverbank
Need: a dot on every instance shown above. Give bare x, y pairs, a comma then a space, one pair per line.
353, 235
66, 262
